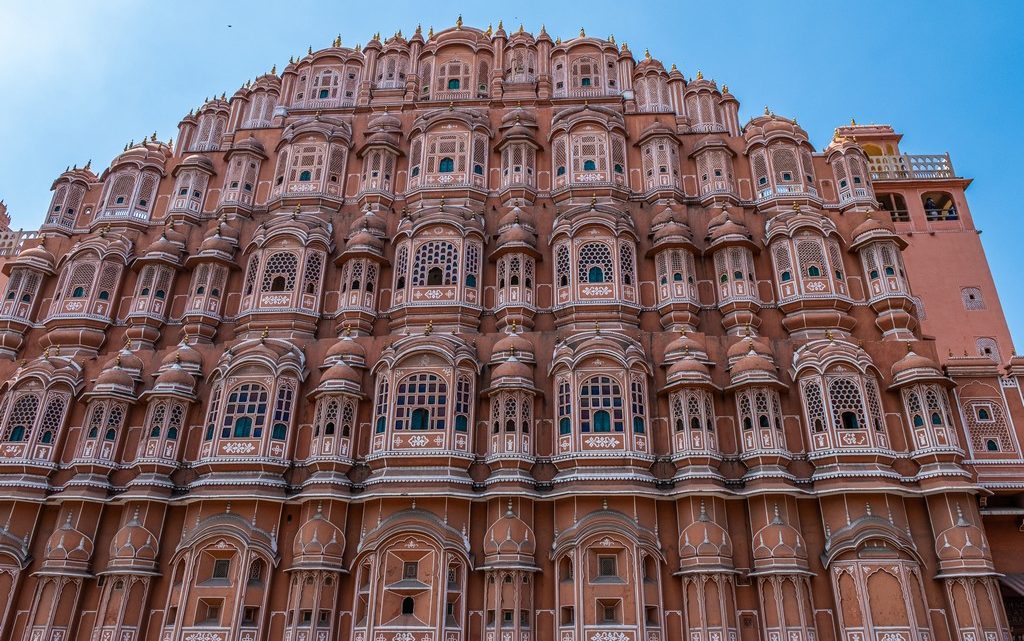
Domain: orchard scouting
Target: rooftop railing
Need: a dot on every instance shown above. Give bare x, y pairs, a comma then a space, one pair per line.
911, 167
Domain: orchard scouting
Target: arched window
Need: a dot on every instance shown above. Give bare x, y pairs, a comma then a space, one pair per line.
595, 263
601, 405
595, 275
849, 420
246, 411
408, 605
420, 402
564, 408
447, 165
589, 165
434, 276
813, 271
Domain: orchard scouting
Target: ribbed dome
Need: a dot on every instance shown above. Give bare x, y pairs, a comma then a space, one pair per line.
517, 216
743, 346
779, 541
517, 235
682, 345
133, 543
115, 377
369, 221
186, 356
704, 541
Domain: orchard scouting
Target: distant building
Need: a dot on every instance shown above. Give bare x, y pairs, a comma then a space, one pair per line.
481, 335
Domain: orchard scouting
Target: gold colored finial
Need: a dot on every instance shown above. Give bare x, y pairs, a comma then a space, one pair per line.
429, 328
430, 34
725, 88
647, 54
597, 327
558, 40
458, 22
910, 347
593, 202
348, 329
46, 352
853, 122
501, 25
796, 207
263, 336
611, 38
829, 336
583, 34
153, 137
521, 27
514, 324
273, 69
309, 50
766, 111
490, 31
337, 41
177, 358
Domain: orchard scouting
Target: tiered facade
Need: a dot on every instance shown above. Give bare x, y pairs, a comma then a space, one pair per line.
481, 335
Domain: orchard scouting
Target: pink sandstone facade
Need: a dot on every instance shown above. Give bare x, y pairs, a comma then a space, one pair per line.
481, 335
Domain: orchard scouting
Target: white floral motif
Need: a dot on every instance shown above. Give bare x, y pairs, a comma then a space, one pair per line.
602, 441
816, 286
597, 291
238, 448
418, 441
610, 636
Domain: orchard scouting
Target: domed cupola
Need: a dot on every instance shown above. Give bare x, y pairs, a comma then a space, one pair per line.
779, 546
518, 147
380, 153
361, 263
68, 550
19, 303
732, 247
191, 181
134, 548
130, 185
185, 356
853, 181
963, 548
319, 545
684, 345
69, 191
510, 542
915, 368
880, 251
512, 395
704, 545
346, 350
157, 270
114, 382
210, 267
781, 161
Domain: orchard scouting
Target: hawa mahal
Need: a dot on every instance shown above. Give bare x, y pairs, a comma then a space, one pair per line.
480, 335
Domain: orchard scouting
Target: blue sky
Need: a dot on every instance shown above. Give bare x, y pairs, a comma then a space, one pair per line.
78, 80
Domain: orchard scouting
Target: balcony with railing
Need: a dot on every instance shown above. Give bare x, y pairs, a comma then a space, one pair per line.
911, 167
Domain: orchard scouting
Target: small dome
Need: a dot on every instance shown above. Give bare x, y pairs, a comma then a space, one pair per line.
705, 542
115, 377
673, 231
133, 543
68, 545
37, 253
217, 242
779, 541
198, 161
509, 536
175, 376
518, 216
728, 229
753, 362
687, 365
665, 215
383, 121
364, 239
512, 368
962, 542
369, 221
682, 345
742, 347
318, 541
914, 367
186, 356
345, 350
516, 235
126, 360
514, 343
341, 372
163, 245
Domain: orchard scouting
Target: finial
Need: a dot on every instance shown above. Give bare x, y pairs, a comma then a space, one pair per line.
597, 327
429, 328
263, 336
829, 336
509, 512
177, 358
490, 31
647, 54
430, 34
766, 111
501, 25
700, 75
309, 51
152, 138
521, 27
273, 69
611, 38
853, 122
593, 202
796, 207
46, 352
725, 88
910, 347
583, 34
348, 329
558, 40
223, 95
514, 326
337, 42
88, 165
458, 22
